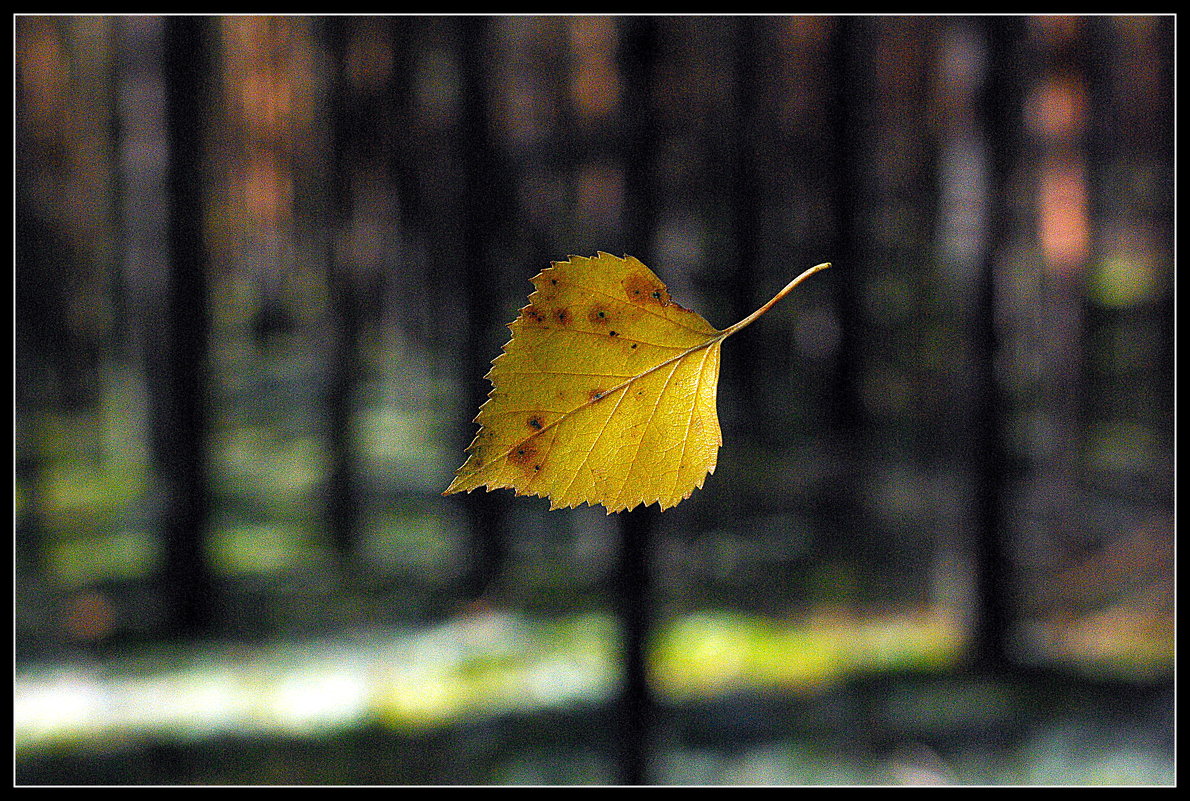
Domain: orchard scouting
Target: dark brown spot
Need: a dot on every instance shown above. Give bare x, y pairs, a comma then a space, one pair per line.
536, 467
596, 394
554, 281
611, 333
563, 316
642, 290
523, 454
634, 346
598, 316
535, 422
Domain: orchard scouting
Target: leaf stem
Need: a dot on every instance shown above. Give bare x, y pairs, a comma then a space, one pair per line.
751, 318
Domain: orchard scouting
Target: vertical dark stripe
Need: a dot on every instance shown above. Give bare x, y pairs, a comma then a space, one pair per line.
849, 109
639, 41
484, 213
852, 158
1164, 147
1001, 120
744, 365
187, 578
120, 342
403, 43
342, 502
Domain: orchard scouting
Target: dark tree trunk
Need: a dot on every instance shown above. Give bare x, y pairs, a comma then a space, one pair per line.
1001, 128
343, 360
183, 439
1164, 151
849, 109
850, 105
403, 42
484, 217
744, 367
639, 40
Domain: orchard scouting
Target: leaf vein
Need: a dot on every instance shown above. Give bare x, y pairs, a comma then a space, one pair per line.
618, 337
599, 436
645, 430
689, 422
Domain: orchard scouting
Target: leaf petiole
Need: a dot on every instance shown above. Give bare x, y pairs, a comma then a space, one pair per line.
751, 318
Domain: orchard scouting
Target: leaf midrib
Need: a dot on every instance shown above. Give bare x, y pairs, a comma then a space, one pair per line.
718, 337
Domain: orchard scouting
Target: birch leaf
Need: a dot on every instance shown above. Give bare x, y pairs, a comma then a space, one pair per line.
605, 394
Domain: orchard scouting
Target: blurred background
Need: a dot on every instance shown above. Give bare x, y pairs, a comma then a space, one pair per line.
263, 263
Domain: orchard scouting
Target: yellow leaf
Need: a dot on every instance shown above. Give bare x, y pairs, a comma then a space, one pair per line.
605, 394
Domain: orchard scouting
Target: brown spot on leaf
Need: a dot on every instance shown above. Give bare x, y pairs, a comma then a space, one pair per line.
535, 423
523, 454
597, 394
611, 333
563, 316
599, 315
642, 291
